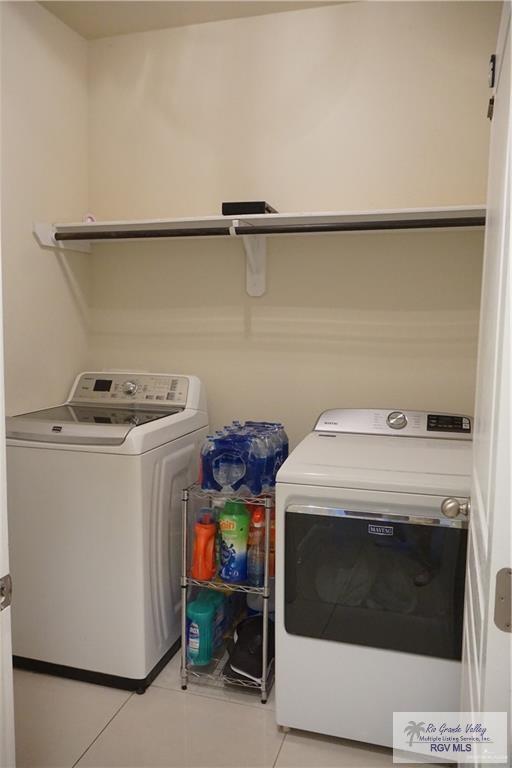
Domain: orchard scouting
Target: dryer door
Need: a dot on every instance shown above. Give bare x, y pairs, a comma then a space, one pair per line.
388, 573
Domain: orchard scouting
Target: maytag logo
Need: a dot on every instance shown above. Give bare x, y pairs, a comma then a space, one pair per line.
380, 530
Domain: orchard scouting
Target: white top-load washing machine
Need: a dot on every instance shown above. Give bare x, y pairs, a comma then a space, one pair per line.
94, 504
371, 533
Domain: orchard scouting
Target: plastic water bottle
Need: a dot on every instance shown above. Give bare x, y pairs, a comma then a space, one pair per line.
257, 464
206, 475
277, 452
284, 440
256, 552
243, 458
229, 465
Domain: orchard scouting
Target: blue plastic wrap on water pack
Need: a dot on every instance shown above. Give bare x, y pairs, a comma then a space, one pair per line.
243, 458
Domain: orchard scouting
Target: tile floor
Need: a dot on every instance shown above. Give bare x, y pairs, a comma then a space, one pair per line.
63, 723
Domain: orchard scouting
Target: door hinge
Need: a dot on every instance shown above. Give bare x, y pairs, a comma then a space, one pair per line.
492, 70
5, 591
503, 600
492, 82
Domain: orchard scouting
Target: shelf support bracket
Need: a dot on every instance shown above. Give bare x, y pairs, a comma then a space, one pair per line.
44, 234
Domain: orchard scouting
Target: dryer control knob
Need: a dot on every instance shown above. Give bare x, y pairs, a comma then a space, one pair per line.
397, 420
451, 507
130, 387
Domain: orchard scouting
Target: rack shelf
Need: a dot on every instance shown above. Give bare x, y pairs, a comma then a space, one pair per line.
213, 675
193, 501
254, 228
224, 586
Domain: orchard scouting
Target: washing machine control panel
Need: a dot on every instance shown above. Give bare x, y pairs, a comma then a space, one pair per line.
395, 422
146, 389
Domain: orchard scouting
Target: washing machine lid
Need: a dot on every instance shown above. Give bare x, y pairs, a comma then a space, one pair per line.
122, 411
82, 424
379, 462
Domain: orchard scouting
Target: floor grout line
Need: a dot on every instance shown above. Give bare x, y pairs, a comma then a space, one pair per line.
125, 702
279, 751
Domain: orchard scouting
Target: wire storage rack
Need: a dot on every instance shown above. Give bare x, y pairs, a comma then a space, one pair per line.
195, 500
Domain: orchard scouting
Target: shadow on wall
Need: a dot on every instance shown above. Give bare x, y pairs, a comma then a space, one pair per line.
359, 290
354, 320
78, 282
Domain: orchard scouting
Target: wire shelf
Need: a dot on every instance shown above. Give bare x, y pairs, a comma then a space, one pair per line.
225, 586
213, 675
195, 491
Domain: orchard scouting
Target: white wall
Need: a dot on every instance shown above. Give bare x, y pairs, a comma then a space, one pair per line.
357, 106
362, 105
355, 320
44, 177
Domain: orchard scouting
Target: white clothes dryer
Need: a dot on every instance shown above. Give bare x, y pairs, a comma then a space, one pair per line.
94, 505
371, 533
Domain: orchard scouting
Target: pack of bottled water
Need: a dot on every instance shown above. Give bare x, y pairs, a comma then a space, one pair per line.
243, 458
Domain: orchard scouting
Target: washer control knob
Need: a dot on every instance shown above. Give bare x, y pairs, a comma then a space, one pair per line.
453, 507
130, 387
397, 420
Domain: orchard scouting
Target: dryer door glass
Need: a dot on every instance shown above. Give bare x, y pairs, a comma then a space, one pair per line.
382, 584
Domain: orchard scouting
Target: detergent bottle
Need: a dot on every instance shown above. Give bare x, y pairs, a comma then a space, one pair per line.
234, 531
203, 557
200, 632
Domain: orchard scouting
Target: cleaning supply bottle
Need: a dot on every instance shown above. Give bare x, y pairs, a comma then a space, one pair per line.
216, 599
203, 557
256, 551
200, 632
255, 602
234, 531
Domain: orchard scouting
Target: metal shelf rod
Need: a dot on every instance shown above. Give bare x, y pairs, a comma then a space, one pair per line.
273, 229
138, 234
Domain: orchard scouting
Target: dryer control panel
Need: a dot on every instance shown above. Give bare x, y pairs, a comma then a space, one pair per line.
147, 389
395, 422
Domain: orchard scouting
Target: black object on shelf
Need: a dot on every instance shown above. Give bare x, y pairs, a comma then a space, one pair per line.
245, 657
240, 208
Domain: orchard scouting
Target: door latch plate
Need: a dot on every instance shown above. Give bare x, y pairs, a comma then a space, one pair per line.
5, 591
503, 600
